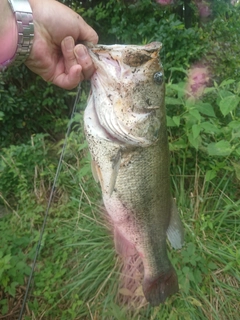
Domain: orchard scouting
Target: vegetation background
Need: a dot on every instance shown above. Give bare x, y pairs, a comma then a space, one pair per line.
77, 270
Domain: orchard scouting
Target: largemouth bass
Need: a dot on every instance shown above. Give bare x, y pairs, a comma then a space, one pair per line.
125, 126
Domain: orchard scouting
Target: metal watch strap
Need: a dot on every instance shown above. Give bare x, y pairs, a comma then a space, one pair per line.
24, 19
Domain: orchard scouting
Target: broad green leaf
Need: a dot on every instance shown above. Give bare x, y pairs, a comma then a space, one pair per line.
191, 249
20, 265
4, 308
226, 82
172, 101
179, 144
206, 108
186, 270
221, 148
228, 104
238, 151
176, 119
210, 174
77, 117
196, 128
237, 169
194, 141
5, 281
195, 114
209, 127
190, 104
207, 90
170, 122
12, 288
235, 134
190, 274
225, 93
197, 275
180, 88
234, 124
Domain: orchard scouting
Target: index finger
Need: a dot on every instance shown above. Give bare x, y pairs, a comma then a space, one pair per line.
84, 59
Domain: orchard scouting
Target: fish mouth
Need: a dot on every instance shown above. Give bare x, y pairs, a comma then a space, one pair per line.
123, 111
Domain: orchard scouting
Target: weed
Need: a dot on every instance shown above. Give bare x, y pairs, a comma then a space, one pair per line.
77, 271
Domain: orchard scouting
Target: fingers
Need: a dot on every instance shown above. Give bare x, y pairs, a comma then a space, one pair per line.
75, 65
84, 60
76, 55
67, 47
71, 80
68, 73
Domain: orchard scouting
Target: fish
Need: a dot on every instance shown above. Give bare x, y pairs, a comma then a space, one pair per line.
126, 131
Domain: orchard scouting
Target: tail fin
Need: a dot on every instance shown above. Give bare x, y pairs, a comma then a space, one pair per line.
158, 289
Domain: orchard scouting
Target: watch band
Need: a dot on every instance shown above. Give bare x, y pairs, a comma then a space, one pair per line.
24, 19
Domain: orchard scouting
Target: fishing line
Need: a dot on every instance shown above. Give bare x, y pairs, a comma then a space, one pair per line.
49, 203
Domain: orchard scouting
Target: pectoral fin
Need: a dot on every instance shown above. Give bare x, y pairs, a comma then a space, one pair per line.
175, 232
94, 170
116, 161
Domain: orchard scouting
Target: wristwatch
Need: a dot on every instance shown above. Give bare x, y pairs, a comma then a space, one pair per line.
24, 19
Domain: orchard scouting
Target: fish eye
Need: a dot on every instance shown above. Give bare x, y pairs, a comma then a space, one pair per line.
158, 77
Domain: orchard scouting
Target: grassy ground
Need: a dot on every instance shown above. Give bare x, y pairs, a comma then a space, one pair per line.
77, 271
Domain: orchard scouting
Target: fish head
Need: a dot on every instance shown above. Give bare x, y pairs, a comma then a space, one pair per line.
128, 85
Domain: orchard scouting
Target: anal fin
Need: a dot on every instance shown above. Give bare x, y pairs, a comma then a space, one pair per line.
175, 231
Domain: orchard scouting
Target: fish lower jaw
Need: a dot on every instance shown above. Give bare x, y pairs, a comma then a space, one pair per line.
157, 289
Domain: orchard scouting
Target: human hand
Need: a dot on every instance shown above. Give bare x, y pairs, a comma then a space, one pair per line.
54, 55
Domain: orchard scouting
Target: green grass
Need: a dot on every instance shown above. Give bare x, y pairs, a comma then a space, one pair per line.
77, 271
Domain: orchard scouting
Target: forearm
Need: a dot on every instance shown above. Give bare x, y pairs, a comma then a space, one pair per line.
8, 32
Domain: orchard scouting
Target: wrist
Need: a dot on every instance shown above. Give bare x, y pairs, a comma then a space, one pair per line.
22, 13
8, 33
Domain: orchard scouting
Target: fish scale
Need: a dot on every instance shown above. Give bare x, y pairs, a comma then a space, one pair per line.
125, 125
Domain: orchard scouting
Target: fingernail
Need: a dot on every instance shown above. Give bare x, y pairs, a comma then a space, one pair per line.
69, 43
81, 52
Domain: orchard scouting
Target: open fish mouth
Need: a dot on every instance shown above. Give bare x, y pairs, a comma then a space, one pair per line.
127, 113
